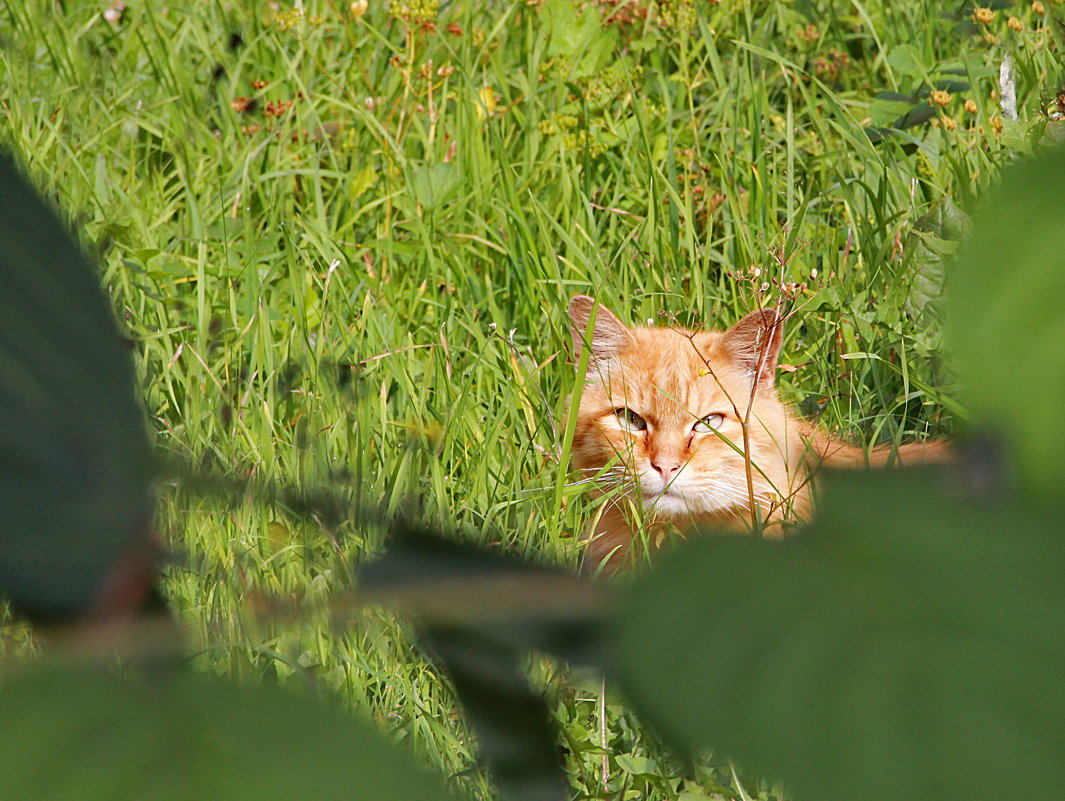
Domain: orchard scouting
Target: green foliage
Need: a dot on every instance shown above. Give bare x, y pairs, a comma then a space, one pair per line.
342, 245
459, 594
1008, 320
914, 653
73, 450
578, 37
75, 486
86, 735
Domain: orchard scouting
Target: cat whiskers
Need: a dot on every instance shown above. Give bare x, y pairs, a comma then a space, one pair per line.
608, 478
723, 498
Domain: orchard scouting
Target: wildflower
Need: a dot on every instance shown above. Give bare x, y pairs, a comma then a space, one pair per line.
454, 29
259, 84
996, 124
113, 15
939, 97
277, 108
1038, 8
970, 106
444, 70
983, 15
248, 130
950, 123
243, 105
1015, 24
286, 20
829, 66
358, 8
486, 103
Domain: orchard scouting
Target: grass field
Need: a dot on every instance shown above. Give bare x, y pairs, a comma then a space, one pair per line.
343, 238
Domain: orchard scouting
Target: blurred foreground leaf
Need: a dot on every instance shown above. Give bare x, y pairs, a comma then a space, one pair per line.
481, 613
909, 646
83, 735
1008, 318
74, 455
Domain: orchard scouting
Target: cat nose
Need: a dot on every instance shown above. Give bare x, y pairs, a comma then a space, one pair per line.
666, 471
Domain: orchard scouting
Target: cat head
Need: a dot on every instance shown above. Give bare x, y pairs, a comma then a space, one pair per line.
662, 410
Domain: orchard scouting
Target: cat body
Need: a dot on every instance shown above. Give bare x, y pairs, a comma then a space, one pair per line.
667, 417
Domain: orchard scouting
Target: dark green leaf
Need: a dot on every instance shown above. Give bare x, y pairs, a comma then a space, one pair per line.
179, 737
895, 97
917, 115
952, 86
1008, 319
73, 451
912, 645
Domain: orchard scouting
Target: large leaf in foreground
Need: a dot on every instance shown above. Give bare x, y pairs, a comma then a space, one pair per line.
1008, 317
911, 646
73, 450
82, 736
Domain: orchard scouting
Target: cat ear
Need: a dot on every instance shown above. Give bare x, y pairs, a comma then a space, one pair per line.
754, 342
607, 338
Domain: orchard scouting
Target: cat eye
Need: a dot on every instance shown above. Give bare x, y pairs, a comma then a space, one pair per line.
630, 420
712, 422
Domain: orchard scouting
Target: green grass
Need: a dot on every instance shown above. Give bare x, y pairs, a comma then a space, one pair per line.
361, 296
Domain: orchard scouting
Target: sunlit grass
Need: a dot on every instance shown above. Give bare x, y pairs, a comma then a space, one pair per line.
343, 246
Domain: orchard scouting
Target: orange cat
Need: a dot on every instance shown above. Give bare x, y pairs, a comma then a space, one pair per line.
667, 416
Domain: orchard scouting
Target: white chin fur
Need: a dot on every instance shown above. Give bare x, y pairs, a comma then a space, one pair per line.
668, 505
663, 501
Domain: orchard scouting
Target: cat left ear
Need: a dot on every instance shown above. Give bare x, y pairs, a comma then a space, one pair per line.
754, 342
608, 336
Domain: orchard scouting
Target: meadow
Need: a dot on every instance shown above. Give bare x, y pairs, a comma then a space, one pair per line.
341, 240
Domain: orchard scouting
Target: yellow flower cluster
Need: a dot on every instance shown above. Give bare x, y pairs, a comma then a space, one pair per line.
557, 124
584, 140
676, 14
293, 17
417, 12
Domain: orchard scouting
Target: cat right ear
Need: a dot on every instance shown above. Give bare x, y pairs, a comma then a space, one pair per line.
754, 343
609, 335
